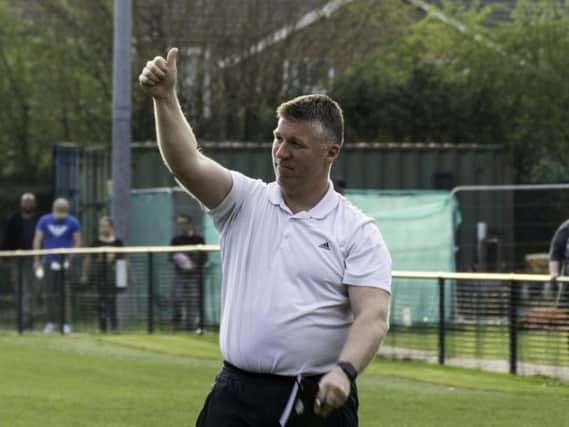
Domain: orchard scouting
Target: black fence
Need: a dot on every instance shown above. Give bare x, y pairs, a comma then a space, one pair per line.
109, 290
517, 323
503, 322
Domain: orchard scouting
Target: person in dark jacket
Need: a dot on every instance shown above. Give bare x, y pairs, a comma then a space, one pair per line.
187, 276
100, 270
19, 234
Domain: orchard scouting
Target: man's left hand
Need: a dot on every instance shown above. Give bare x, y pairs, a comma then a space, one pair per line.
333, 390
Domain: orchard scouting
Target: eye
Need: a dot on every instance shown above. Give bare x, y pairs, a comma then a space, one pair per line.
278, 139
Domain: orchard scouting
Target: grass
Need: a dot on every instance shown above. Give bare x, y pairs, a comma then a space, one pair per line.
162, 380
487, 342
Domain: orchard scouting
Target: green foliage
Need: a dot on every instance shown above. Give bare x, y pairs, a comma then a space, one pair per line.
471, 78
57, 85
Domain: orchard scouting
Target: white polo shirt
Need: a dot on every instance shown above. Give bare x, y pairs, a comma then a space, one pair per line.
284, 299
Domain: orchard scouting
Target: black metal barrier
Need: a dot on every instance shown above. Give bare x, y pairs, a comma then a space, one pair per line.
517, 323
159, 295
495, 321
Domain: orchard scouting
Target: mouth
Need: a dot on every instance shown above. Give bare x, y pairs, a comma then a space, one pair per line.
280, 166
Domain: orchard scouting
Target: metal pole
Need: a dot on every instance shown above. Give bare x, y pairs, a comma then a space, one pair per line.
150, 293
523, 187
104, 308
122, 108
201, 297
20, 261
513, 330
442, 326
60, 280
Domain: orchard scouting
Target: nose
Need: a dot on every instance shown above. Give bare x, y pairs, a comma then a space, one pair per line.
281, 151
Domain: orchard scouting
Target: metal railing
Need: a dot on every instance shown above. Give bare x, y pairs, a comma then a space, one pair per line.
509, 308
470, 319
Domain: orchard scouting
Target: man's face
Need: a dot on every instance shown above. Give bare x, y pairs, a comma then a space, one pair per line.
300, 155
105, 229
60, 213
184, 226
28, 205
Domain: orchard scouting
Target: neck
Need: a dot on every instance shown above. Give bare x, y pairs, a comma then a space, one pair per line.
304, 201
107, 238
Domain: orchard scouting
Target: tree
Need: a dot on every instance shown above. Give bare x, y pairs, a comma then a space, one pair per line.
472, 82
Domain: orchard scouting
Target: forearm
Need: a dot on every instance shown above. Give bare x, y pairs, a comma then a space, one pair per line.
366, 335
176, 141
36, 246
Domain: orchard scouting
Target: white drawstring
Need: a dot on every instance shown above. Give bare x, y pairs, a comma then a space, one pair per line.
289, 404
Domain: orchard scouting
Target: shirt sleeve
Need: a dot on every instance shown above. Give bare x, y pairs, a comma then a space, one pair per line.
224, 213
41, 225
558, 244
368, 262
75, 226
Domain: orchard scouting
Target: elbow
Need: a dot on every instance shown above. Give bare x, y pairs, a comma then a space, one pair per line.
382, 327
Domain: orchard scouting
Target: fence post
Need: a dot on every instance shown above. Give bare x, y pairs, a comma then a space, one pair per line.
20, 300
150, 273
513, 330
442, 325
104, 310
201, 297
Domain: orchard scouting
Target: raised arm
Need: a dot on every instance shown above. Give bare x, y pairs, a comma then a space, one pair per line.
208, 181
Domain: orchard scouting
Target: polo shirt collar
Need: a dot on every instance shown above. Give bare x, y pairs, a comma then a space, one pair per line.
320, 211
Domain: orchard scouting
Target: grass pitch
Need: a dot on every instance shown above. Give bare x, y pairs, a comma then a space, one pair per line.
162, 380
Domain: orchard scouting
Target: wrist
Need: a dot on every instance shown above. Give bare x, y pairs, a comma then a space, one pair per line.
167, 98
349, 370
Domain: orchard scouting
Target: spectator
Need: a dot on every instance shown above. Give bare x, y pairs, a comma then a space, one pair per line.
187, 284
101, 270
54, 231
19, 234
559, 259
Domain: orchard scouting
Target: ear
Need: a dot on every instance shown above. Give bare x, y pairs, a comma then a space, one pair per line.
332, 152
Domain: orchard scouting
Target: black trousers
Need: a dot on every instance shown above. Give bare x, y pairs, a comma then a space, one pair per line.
242, 399
107, 308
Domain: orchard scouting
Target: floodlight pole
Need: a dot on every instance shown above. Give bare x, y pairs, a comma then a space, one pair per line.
122, 108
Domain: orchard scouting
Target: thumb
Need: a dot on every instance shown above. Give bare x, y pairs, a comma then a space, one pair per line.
172, 57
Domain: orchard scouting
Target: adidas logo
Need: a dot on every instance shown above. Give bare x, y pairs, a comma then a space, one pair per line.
325, 245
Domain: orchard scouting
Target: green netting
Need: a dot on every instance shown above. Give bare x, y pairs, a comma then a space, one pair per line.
153, 223
418, 227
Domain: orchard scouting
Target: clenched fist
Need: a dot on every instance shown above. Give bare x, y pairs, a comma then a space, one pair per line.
333, 391
159, 75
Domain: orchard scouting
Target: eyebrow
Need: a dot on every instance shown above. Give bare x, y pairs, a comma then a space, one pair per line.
291, 140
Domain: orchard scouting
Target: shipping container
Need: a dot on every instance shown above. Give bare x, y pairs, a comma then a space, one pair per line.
386, 166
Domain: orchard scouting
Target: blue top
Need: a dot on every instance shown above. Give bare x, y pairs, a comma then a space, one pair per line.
58, 233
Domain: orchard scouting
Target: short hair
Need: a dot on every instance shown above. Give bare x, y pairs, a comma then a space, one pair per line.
186, 217
108, 220
316, 108
61, 205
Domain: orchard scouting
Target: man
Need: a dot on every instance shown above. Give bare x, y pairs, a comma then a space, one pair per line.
187, 276
55, 231
559, 251
559, 260
306, 276
19, 234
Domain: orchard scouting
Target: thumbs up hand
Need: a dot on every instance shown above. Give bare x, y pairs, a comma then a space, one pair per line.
158, 78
